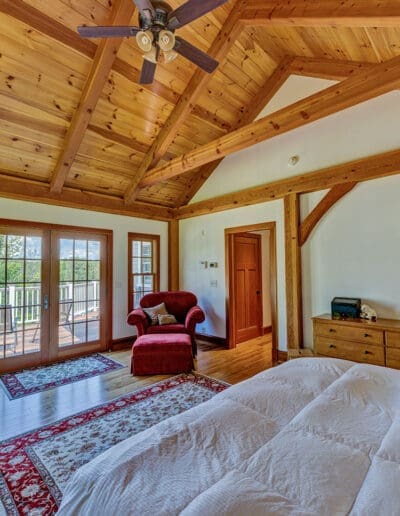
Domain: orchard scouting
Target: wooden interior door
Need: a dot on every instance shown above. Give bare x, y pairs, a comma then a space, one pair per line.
24, 297
247, 286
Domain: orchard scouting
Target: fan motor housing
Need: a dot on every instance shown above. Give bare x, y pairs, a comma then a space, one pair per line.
160, 18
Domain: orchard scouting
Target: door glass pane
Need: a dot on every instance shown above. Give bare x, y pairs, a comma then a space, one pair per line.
20, 294
79, 292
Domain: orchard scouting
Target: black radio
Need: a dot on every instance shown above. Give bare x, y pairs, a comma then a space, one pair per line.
346, 307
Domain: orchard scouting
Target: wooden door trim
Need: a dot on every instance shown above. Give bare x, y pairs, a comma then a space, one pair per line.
270, 226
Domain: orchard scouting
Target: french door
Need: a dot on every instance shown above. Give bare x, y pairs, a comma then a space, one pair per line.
53, 295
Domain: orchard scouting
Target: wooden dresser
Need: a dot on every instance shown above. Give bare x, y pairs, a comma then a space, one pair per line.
359, 340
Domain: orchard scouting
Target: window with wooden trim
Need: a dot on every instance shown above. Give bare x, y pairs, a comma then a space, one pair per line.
143, 267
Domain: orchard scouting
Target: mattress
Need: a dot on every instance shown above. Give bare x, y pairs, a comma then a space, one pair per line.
313, 436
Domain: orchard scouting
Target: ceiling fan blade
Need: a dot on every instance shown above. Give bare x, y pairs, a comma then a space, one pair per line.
197, 56
147, 73
107, 32
190, 11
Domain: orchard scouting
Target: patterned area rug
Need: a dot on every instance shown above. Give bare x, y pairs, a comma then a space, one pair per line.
37, 379
36, 466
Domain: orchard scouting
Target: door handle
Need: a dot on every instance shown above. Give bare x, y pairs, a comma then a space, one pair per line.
46, 302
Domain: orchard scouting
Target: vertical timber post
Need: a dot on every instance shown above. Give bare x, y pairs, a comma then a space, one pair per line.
173, 255
293, 272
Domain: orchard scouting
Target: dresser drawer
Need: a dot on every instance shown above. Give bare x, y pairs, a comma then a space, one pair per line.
392, 339
393, 357
366, 334
358, 352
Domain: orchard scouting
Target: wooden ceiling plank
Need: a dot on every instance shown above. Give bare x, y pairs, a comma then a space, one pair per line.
365, 169
266, 93
360, 87
36, 19
221, 45
363, 13
103, 61
35, 191
329, 200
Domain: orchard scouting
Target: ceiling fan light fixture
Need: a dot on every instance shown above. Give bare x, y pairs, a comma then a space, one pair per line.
151, 55
145, 40
170, 55
166, 40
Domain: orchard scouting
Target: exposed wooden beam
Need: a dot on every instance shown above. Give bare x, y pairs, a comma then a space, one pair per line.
330, 199
362, 13
103, 61
35, 191
173, 255
220, 47
294, 311
258, 103
332, 69
373, 167
362, 86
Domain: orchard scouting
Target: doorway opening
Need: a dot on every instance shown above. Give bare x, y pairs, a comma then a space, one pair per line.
251, 295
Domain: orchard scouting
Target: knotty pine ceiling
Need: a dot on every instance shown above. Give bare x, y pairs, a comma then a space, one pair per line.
41, 82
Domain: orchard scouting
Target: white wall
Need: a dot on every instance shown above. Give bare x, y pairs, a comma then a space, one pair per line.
355, 252
356, 249
202, 238
120, 225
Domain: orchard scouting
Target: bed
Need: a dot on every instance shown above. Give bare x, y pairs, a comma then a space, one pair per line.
312, 436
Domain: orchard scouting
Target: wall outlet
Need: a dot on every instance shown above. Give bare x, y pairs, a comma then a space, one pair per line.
213, 283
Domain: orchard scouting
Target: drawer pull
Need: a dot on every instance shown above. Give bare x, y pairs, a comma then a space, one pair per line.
367, 352
331, 330
332, 346
367, 335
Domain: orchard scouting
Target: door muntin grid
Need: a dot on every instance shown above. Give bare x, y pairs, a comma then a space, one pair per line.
79, 291
20, 294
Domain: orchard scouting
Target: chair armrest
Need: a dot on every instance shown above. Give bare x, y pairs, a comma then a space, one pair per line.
139, 319
193, 317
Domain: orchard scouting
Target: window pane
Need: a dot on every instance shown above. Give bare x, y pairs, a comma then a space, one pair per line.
15, 271
136, 299
93, 331
15, 246
93, 250
80, 270
2, 246
66, 249
137, 283
2, 271
33, 272
81, 249
148, 283
147, 265
33, 247
94, 271
79, 331
146, 248
136, 265
136, 248
66, 270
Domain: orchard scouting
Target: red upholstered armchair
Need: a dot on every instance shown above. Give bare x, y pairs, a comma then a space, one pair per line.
183, 305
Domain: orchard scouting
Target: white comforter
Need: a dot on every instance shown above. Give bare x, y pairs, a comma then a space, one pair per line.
313, 436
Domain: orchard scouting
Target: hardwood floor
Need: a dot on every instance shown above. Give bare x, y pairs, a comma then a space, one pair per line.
25, 414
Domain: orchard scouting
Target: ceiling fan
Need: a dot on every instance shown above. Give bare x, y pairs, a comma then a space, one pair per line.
156, 33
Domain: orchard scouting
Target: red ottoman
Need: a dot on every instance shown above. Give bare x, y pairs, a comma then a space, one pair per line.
162, 354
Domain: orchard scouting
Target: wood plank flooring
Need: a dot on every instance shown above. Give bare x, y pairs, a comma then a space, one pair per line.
25, 414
